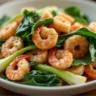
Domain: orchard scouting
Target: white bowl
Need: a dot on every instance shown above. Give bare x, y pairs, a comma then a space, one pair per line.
13, 8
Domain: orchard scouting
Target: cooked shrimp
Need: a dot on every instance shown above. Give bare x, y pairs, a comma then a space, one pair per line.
68, 17
79, 70
77, 45
39, 56
12, 45
45, 38
8, 30
93, 64
46, 14
90, 71
18, 20
92, 26
28, 8
76, 26
61, 24
60, 59
18, 68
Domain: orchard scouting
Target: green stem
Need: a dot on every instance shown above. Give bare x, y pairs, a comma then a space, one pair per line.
67, 76
6, 61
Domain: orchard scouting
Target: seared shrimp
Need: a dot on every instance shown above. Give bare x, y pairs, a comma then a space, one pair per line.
18, 68
68, 17
18, 20
28, 8
77, 45
46, 14
90, 70
39, 56
60, 59
12, 45
79, 70
45, 38
61, 24
8, 31
76, 26
92, 26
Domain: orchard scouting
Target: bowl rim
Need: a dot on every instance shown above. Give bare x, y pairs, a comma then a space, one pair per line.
45, 88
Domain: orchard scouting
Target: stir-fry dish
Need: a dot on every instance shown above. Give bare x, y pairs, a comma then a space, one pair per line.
48, 47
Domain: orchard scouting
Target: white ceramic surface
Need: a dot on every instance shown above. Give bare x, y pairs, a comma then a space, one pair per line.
13, 8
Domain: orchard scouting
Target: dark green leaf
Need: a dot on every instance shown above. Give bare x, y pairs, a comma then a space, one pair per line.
45, 22
29, 19
81, 20
3, 19
32, 63
73, 11
83, 61
41, 78
92, 49
54, 12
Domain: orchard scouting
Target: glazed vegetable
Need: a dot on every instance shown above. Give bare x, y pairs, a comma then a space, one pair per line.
86, 60
29, 19
69, 77
45, 22
41, 78
6, 61
92, 49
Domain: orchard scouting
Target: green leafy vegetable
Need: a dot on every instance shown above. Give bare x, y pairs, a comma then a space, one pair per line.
29, 19
45, 22
3, 19
67, 76
41, 78
1, 42
6, 61
92, 49
81, 20
76, 13
32, 63
73, 11
83, 61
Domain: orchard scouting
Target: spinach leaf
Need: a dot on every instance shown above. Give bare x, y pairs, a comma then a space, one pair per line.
73, 11
1, 42
92, 49
32, 63
41, 78
83, 61
3, 19
81, 20
45, 22
29, 19
76, 13
82, 31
